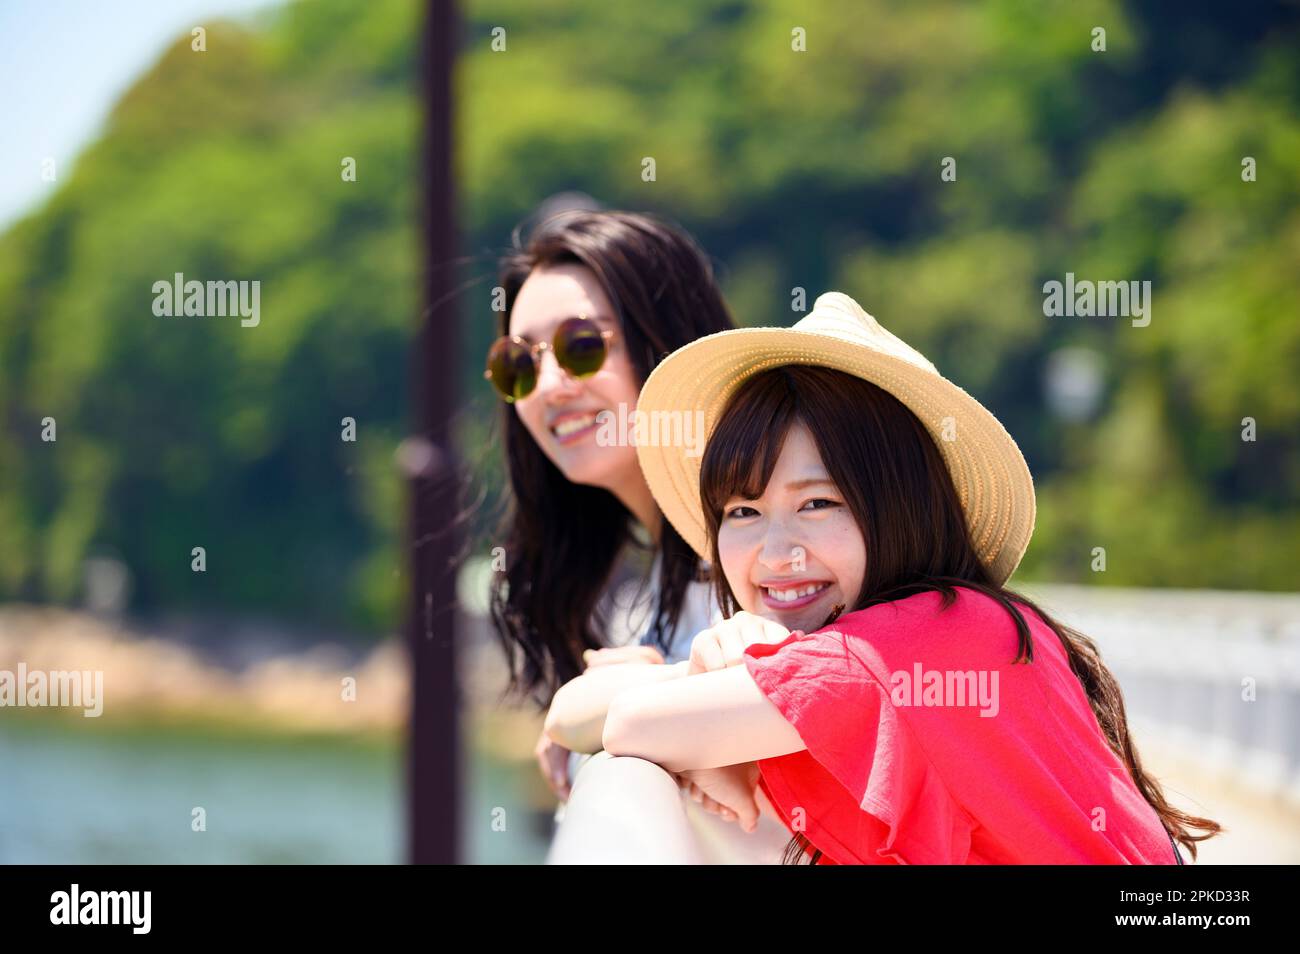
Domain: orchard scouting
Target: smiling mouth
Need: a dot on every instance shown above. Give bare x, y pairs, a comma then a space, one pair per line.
791, 597
572, 426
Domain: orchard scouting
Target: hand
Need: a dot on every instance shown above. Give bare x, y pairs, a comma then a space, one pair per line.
727, 791
553, 762
622, 654
723, 646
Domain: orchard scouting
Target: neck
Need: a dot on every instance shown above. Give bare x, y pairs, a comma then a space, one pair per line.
635, 495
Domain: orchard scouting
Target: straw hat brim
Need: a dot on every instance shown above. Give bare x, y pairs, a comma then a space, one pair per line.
988, 471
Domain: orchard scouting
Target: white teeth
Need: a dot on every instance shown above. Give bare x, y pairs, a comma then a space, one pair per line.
573, 424
788, 596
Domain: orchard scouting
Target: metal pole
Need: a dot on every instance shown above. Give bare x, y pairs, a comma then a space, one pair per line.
430, 460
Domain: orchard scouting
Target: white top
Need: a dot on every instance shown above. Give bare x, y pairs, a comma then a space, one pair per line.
720, 842
633, 616
634, 610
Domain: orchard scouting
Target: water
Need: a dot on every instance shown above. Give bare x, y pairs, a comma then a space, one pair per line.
82, 794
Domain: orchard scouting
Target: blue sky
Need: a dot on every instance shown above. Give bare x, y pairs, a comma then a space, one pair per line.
63, 63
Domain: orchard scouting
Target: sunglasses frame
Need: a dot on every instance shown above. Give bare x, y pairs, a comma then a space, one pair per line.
535, 350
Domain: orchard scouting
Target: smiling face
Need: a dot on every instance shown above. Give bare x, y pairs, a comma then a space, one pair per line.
560, 413
796, 551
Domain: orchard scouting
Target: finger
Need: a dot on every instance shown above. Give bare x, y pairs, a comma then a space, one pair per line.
773, 632
711, 657
548, 773
722, 811
733, 647
560, 772
756, 630
554, 760
612, 655
747, 812
712, 806
601, 657
760, 629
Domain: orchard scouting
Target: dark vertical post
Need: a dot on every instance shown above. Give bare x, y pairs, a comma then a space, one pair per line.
433, 802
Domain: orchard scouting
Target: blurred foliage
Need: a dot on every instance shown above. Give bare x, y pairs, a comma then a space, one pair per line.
816, 169
183, 432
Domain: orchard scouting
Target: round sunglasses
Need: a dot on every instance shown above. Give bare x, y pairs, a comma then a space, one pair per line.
579, 347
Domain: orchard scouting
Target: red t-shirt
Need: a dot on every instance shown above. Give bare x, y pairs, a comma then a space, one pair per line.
902, 767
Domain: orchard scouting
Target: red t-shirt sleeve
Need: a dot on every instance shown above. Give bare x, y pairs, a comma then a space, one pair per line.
864, 792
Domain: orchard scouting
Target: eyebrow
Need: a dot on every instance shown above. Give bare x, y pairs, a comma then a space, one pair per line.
601, 320
797, 485
809, 482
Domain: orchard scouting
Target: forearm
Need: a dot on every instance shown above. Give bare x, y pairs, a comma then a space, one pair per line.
709, 720
576, 719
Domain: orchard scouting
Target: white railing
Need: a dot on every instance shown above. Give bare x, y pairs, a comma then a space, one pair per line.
1214, 675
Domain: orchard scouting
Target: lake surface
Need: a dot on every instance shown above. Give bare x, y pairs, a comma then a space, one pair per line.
70, 794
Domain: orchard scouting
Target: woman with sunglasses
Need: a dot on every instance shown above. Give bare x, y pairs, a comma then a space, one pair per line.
593, 301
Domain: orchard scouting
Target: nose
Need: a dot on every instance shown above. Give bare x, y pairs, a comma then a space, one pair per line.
779, 546
554, 384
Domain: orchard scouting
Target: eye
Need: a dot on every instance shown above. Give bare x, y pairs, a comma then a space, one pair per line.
824, 502
739, 513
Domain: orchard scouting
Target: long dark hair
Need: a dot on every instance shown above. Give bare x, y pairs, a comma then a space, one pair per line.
562, 539
901, 494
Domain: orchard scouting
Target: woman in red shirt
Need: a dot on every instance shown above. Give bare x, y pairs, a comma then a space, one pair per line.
943, 719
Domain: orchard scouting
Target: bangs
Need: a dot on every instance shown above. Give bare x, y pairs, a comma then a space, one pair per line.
743, 450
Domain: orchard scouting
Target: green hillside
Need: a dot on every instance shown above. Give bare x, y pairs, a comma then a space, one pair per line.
818, 169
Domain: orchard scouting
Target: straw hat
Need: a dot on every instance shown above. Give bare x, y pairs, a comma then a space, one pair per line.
987, 468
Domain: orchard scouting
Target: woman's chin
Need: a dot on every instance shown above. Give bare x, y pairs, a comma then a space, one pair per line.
807, 618
587, 468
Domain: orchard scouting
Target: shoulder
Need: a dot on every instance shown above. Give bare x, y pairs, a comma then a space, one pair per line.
972, 625
928, 608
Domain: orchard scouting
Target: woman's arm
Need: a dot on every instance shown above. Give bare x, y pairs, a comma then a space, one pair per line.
707, 720
576, 719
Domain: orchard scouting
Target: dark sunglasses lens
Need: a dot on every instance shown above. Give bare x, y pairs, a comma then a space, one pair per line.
513, 371
580, 347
